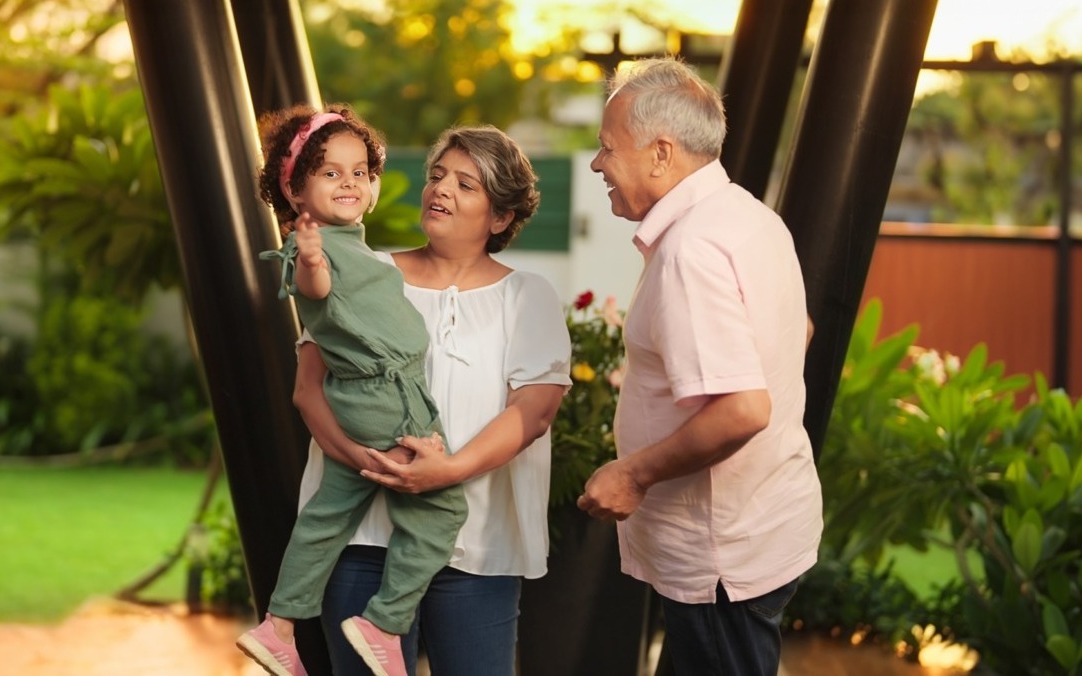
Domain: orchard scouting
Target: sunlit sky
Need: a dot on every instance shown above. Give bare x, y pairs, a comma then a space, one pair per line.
1029, 25
958, 24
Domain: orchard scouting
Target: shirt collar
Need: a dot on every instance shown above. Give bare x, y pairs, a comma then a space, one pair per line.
688, 192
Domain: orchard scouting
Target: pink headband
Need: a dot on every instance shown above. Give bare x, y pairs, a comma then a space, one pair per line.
318, 120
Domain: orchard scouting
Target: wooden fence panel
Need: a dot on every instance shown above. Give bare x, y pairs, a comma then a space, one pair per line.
962, 291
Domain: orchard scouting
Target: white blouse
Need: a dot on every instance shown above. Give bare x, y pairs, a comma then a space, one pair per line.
483, 343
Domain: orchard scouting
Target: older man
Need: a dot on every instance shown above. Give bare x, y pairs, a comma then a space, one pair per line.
715, 487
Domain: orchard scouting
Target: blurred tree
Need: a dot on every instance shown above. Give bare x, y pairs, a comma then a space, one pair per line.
51, 41
79, 177
992, 146
415, 67
82, 176
418, 65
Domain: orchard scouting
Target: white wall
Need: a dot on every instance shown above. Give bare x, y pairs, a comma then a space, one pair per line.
18, 289
602, 258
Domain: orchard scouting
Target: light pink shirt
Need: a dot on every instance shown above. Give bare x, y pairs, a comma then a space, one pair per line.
719, 308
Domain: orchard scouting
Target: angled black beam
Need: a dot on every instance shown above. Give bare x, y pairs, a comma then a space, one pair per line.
854, 111
756, 82
277, 59
278, 67
208, 153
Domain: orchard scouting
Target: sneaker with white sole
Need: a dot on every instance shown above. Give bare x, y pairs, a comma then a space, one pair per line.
272, 653
382, 655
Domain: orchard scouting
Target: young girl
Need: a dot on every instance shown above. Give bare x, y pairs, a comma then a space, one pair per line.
321, 170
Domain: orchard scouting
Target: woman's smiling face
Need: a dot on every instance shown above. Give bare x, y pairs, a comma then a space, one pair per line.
454, 202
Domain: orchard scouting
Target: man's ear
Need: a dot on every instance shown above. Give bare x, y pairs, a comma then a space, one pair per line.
663, 155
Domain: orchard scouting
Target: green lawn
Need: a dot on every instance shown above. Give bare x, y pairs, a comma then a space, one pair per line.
67, 535
924, 572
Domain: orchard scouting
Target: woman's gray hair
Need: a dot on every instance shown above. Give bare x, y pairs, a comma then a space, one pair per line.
507, 176
668, 97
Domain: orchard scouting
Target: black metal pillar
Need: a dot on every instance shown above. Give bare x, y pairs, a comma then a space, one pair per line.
853, 115
277, 60
279, 71
1061, 347
756, 82
208, 151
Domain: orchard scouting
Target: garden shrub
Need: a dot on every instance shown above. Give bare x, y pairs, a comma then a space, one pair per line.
840, 599
919, 445
20, 414
582, 434
218, 562
83, 369
93, 377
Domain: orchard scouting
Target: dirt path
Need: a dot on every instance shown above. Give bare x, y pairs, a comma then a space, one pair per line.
107, 637
112, 638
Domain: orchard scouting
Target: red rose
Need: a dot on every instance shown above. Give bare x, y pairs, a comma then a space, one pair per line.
584, 300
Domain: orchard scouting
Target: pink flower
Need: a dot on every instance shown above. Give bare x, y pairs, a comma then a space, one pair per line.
611, 314
584, 300
616, 377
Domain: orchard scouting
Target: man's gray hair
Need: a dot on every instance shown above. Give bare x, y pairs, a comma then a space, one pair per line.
668, 97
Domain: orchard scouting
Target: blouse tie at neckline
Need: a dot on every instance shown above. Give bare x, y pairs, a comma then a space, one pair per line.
446, 326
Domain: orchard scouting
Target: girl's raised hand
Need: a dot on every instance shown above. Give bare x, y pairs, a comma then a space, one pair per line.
309, 241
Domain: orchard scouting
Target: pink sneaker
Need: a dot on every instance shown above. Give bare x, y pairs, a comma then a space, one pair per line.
272, 653
382, 655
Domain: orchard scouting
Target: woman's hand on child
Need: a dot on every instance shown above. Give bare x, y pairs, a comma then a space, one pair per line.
399, 454
428, 469
361, 457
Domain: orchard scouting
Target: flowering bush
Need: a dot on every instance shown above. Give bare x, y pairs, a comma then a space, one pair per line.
582, 437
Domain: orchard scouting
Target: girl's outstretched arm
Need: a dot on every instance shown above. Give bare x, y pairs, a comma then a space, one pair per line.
313, 277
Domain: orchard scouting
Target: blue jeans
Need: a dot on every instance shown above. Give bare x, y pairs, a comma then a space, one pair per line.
468, 623
726, 638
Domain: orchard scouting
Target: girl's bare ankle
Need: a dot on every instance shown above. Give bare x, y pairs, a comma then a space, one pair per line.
283, 628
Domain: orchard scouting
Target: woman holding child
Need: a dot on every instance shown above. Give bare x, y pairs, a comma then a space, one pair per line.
497, 369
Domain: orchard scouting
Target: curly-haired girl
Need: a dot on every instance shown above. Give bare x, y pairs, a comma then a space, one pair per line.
321, 172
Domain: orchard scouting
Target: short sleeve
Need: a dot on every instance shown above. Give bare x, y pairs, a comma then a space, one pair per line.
305, 338
538, 344
703, 327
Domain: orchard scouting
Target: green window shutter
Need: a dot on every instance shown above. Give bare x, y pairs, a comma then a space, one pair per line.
548, 230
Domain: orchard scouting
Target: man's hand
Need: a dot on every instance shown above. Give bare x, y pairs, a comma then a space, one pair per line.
611, 494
